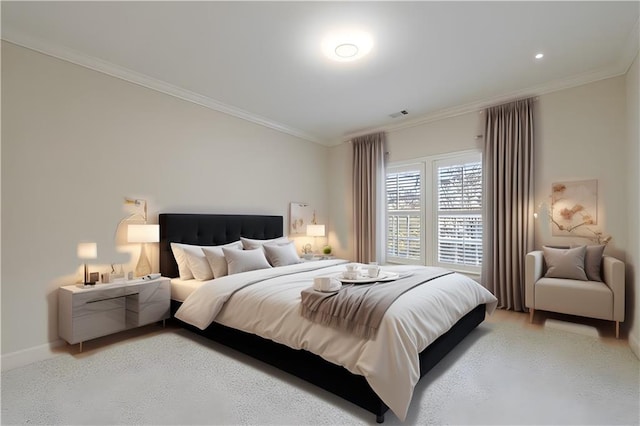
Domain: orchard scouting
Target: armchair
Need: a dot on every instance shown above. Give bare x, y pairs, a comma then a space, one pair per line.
594, 299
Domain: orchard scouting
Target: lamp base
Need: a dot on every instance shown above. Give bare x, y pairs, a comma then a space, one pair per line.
86, 281
144, 266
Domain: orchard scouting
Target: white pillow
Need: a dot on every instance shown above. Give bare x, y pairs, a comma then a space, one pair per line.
181, 260
250, 244
281, 255
215, 257
197, 262
244, 260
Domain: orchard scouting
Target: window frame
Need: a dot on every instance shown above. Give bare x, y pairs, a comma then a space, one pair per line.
399, 168
429, 205
444, 161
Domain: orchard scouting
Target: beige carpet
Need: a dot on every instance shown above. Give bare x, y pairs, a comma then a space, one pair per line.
505, 372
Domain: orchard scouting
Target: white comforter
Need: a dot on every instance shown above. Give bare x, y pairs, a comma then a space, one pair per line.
271, 309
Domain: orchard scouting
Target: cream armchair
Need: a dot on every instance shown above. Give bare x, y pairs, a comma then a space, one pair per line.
603, 300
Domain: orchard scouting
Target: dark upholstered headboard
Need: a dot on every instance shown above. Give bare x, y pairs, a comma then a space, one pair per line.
210, 230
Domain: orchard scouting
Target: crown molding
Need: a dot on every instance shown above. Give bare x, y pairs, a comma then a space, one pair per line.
631, 48
615, 70
105, 67
630, 51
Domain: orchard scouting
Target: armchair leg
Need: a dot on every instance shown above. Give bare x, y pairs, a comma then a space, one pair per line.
617, 329
531, 311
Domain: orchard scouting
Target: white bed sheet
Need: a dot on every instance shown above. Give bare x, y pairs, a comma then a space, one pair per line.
390, 362
181, 289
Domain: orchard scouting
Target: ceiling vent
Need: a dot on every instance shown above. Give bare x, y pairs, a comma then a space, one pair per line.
399, 114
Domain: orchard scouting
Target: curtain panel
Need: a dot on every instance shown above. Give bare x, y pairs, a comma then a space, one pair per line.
369, 197
509, 203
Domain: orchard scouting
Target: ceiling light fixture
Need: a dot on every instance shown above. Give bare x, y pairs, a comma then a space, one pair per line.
347, 46
347, 50
540, 56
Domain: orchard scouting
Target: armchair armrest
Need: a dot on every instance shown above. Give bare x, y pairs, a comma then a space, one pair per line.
533, 271
613, 275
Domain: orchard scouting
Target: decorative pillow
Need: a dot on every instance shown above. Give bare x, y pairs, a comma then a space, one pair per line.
197, 262
244, 260
593, 262
567, 263
250, 244
181, 260
215, 257
281, 255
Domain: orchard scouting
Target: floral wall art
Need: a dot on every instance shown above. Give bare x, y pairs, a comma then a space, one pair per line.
574, 209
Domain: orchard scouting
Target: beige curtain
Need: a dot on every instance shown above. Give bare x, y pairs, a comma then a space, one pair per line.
369, 197
509, 205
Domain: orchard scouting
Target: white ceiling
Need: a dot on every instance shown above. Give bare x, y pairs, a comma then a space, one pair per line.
262, 61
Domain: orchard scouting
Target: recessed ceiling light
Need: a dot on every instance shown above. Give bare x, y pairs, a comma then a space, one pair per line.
540, 56
346, 46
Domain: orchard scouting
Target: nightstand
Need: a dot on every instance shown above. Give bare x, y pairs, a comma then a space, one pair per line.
318, 257
85, 313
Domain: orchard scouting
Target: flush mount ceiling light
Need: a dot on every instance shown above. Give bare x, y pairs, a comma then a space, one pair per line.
539, 55
347, 46
346, 50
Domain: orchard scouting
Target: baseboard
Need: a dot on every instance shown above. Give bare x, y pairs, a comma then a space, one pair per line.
28, 356
634, 344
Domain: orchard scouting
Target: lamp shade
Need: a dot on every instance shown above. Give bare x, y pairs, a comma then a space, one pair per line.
315, 230
87, 250
143, 233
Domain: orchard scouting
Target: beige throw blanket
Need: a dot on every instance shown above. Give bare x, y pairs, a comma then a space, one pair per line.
358, 309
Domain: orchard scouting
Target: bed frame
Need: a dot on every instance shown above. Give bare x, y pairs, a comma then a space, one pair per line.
213, 229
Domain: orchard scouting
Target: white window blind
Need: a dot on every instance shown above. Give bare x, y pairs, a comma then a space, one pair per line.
459, 211
404, 214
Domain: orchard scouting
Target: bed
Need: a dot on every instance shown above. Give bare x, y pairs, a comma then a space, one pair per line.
305, 357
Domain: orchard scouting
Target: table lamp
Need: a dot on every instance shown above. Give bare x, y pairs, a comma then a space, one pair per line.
143, 234
315, 231
87, 251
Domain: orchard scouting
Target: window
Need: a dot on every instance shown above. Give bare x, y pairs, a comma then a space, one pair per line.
404, 214
459, 211
437, 220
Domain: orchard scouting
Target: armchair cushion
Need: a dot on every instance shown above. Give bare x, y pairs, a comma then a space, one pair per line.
585, 298
565, 263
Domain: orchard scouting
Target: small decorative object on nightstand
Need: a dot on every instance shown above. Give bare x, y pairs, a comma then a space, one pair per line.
87, 251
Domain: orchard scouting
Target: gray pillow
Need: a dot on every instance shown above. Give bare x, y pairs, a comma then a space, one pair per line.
250, 244
216, 258
593, 262
281, 255
567, 263
244, 260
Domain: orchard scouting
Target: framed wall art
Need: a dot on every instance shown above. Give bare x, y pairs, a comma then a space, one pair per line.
574, 205
300, 215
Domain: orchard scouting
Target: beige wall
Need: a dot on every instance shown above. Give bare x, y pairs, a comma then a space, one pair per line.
75, 142
633, 208
580, 133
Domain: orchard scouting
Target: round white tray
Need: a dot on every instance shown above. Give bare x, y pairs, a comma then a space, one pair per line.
365, 279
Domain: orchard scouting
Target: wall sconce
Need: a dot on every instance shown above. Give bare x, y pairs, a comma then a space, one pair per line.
315, 231
87, 251
143, 234
138, 203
